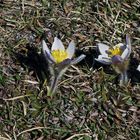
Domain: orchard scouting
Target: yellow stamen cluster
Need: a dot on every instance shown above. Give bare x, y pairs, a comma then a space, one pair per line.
116, 51
59, 55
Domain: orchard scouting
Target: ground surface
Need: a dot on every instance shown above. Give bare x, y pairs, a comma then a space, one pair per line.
89, 104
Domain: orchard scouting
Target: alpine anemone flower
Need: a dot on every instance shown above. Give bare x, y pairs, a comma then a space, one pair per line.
117, 56
59, 59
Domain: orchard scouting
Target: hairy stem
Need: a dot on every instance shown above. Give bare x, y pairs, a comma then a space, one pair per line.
123, 78
53, 87
56, 76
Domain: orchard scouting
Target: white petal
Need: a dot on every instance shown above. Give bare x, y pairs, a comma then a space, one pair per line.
128, 43
78, 59
138, 68
103, 48
120, 45
46, 52
57, 45
45, 47
125, 54
103, 59
123, 47
127, 51
71, 49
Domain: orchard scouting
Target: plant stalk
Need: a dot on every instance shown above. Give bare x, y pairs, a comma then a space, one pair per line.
123, 78
53, 86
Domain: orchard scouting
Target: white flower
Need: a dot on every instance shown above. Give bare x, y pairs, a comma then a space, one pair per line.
59, 60
116, 54
59, 54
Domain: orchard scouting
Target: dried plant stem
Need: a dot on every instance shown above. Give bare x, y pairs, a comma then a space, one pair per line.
77, 135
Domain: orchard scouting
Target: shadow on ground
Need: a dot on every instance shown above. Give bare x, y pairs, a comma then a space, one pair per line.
34, 62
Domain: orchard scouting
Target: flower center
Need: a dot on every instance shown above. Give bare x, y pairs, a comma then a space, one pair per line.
116, 51
59, 55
